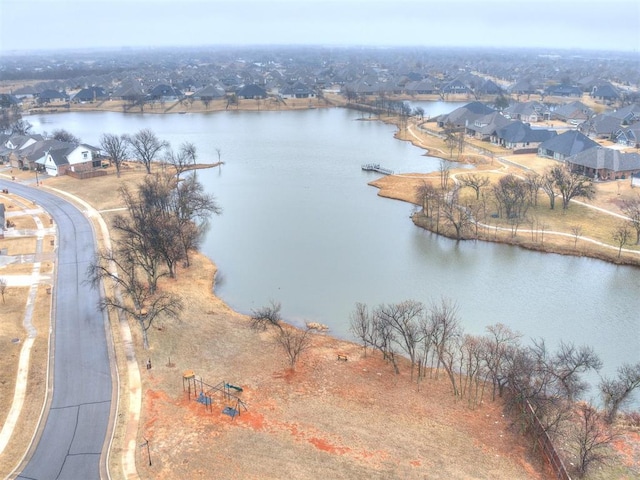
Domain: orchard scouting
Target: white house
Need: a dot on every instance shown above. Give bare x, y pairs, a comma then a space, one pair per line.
75, 158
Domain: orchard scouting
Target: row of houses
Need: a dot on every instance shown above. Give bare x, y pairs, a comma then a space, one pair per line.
573, 147
50, 156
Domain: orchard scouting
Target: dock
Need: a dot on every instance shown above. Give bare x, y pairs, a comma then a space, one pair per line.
375, 167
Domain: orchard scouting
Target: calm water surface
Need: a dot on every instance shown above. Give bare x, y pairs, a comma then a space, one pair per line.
302, 227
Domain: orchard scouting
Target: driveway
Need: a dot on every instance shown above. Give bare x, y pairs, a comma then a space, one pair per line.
73, 442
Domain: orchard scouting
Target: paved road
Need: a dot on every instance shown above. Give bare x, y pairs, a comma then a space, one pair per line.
72, 444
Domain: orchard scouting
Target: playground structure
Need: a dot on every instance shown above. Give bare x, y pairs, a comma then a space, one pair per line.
205, 393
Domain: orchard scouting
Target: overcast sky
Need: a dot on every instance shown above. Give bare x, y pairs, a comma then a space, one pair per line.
552, 24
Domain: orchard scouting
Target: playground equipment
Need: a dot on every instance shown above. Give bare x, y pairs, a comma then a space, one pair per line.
205, 393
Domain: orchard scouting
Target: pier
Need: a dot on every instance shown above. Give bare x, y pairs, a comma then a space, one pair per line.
375, 167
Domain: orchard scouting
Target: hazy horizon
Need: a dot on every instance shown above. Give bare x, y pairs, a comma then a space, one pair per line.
49, 25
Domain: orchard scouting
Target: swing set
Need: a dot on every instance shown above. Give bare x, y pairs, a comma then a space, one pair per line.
205, 393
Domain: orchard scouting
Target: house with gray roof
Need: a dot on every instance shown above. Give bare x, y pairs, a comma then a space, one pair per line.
565, 145
465, 115
601, 126
605, 92
485, 127
627, 115
210, 92
521, 138
252, 91
602, 163
573, 112
75, 158
50, 96
90, 94
527, 111
628, 136
297, 90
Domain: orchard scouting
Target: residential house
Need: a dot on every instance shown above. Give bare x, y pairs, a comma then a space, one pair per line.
530, 112
564, 90
25, 93
75, 158
465, 115
11, 148
456, 87
574, 113
565, 145
485, 127
628, 115
605, 92
603, 163
421, 87
252, 91
629, 136
489, 87
601, 126
521, 138
52, 96
297, 90
210, 92
164, 93
33, 155
90, 94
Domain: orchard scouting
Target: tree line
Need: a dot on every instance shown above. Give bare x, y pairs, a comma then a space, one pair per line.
431, 338
445, 210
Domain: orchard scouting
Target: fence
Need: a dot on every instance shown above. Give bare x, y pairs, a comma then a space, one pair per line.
543, 439
86, 174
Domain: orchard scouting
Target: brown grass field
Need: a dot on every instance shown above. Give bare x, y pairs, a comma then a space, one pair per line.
325, 419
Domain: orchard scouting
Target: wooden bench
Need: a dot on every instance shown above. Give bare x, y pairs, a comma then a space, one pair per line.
342, 356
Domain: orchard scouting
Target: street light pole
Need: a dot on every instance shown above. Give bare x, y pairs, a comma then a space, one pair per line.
146, 443
37, 183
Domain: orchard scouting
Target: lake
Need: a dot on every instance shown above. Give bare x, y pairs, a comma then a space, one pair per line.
301, 226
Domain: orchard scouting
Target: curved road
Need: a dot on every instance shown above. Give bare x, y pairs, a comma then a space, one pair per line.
72, 442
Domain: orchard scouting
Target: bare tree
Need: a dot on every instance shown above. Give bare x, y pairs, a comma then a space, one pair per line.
361, 325
592, 439
446, 331
178, 160
511, 195
404, 319
294, 342
547, 184
534, 182
64, 136
115, 147
567, 365
631, 208
3, 287
146, 145
131, 296
192, 207
445, 173
457, 215
576, 230
617, 391
474, 181
571, 185
450, 138
21, 127
500, 343
427, 196
621, 236
267, 316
